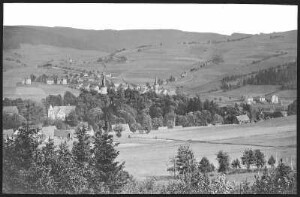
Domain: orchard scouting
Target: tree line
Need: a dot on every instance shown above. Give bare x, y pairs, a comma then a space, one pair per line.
143, 112
192, 177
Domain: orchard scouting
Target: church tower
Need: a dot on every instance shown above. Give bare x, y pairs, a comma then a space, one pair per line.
103, 88
156, 86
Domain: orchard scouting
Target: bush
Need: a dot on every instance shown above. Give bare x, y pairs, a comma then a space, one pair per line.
271, 161
118, 129
204, 166
135, 126
223, 159
259, 158
248, 158
236, 164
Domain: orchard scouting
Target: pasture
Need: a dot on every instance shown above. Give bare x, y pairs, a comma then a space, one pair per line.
148, 155
36, 91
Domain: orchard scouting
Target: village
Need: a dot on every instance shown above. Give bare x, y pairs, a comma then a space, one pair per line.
97, 81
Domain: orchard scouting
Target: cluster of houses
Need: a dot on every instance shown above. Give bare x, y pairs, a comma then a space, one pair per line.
102, 86
26, 81
261, 99
58, 81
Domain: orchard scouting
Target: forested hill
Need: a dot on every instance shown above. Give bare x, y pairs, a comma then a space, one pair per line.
284, 75
103, 40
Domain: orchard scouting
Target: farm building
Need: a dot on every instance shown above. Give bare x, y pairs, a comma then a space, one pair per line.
64, 134
60, 112
243, 119
10, 110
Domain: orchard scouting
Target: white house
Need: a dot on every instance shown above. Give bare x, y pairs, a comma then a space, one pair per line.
50, 81
274, 99
249, 100
60, 112
28, 81
64, 81
242, 119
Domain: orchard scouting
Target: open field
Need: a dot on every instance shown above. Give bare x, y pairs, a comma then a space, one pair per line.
36, 91
146, 156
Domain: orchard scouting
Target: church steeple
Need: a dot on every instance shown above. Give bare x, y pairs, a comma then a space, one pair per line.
155, 82
103, 80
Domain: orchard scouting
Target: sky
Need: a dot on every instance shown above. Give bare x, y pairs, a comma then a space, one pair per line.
216, 18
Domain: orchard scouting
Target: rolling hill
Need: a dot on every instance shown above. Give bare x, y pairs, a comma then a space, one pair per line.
148, 53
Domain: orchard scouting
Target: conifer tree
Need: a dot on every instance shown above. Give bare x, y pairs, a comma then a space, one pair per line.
110, 171
81, 148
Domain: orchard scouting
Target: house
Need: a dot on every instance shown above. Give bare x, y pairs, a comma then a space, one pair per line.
260, 99
28, 81
64, 81
283, 113
48, 131
8, 133
243, 119
60, 112
249, 100
10, 110
171, 92
274, 99
50, 81
64, 134
95, 88
58, 81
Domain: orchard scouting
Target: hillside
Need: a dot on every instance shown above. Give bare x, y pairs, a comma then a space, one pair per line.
138, 56
103, 40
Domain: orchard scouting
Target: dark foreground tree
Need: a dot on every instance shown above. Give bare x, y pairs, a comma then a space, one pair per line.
108, 170
81, 148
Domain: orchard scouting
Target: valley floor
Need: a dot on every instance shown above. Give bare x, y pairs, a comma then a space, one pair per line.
148, 155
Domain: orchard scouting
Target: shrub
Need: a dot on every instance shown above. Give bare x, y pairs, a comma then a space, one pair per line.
118, 129
248, 158
204, 165
271, 161
223, 159
259, 158
236, 164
